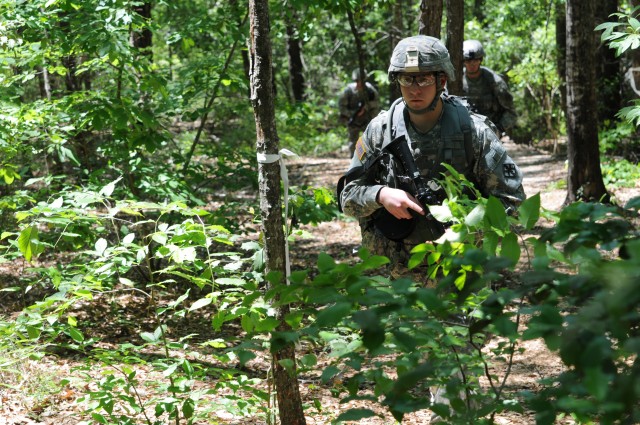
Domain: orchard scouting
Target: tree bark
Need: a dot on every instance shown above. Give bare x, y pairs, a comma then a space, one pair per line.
478, 11
358, 41
431, 17
262, 99
143, 40
294, 50
561, 58
455, 37
584, 180
395, 35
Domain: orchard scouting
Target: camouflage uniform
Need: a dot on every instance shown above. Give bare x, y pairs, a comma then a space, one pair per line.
488, 93
492, 170
349, 100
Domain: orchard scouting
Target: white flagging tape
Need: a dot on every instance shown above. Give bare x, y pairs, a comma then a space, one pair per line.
270, 159
632, 80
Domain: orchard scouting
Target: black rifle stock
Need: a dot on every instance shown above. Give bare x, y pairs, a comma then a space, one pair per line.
355, 114
398, 229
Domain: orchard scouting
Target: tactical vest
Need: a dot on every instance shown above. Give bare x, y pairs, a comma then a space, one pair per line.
455, 144
454, 147
481, 95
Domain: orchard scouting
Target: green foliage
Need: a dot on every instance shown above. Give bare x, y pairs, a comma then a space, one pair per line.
622, 36
519, 41
97, 200
620, 173
589, 317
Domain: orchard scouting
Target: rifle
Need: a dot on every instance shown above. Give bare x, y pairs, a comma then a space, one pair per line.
355, 114
398, 229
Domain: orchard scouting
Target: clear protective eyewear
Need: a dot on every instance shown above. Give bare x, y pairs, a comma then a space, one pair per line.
422, 80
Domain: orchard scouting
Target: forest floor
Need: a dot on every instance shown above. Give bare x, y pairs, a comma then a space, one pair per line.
25, 401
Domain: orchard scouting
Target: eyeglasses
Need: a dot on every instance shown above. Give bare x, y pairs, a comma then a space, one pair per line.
422, 80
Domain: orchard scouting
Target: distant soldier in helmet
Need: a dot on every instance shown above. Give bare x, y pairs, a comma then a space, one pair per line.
486, 90
430, 128
359, 103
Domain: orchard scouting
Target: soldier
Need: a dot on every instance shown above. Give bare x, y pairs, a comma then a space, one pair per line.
486, 91
434, 125
359, 103
432, 128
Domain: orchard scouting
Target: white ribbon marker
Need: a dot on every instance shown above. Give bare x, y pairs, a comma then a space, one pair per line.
270, 159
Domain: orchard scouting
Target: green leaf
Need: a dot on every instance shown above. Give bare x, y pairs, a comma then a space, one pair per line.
33, 332
331, 316
474, 218
490, 243
510, 247
356, 415
245, 356
287, 364
29, 244
188, 408
529, 211
325, 263
597, 382
495, 216
149, 337
247, 322
100, 246
328, 373
309, 360
373, 334
267, 325
76, 335
202, 302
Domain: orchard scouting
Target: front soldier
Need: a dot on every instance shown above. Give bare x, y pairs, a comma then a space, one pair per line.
436, 129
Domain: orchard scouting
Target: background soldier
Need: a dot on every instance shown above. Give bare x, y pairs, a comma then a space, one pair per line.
486, 91
359, 102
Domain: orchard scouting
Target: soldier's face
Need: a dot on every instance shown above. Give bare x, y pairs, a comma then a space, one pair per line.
472, 65
418, 97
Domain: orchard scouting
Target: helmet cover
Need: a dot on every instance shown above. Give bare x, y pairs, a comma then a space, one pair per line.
421, 53
472, 49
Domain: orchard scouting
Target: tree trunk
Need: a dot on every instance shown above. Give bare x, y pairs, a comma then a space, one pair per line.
143, 40
607, 68
635, 53
294, 50
431, 17
561, 45
395, 35
478, 11
455, 37
584, 180
262, 99
358, 41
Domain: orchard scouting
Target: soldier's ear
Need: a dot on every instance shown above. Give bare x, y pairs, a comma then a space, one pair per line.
443, 79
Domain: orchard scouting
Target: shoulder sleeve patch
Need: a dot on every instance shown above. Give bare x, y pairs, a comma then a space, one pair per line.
360, 148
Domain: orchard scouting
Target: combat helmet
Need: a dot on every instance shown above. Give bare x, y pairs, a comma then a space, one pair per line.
356, 73
472, 49
420, 53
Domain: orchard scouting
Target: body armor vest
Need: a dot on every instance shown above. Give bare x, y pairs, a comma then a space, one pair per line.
453, 147
480, 93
